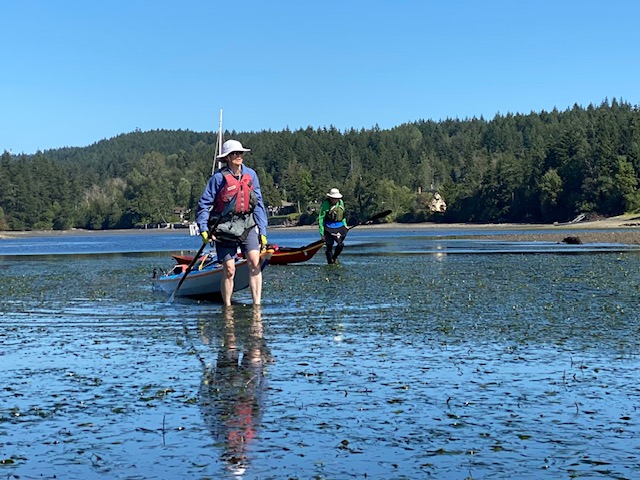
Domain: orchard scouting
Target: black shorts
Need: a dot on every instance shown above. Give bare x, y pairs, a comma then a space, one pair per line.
335, 234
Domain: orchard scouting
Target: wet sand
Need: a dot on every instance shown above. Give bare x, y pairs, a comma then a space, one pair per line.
626, 237
623, 229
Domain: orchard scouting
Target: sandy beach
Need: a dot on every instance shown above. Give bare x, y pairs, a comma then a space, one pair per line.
623, 229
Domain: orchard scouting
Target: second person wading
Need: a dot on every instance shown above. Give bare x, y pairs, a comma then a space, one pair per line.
333, 224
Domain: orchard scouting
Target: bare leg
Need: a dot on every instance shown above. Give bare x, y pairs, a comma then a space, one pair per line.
226, 282
255, 278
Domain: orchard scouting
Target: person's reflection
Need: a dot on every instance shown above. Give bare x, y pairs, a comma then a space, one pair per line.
232, 388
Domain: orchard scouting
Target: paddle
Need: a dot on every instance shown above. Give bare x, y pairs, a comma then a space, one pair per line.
377, 216
226, 210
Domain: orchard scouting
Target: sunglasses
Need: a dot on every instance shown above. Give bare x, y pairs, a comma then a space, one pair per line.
236, 154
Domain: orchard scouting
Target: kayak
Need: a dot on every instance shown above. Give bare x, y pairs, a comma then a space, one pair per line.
281, 255
286, 255
203, 281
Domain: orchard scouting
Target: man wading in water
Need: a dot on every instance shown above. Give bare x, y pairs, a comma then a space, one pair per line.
232, 203
333, 224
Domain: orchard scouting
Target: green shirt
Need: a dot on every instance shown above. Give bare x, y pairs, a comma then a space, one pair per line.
335, 211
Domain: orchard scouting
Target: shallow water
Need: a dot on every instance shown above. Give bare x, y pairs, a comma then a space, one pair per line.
415, 358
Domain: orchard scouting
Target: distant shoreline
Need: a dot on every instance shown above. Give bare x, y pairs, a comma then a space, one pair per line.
623, 229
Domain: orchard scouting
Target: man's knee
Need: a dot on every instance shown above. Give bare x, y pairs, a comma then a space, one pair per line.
229, 270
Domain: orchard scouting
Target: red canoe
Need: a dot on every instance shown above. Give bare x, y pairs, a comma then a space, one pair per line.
281, 255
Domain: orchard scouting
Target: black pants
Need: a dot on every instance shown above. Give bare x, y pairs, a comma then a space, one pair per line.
334, 236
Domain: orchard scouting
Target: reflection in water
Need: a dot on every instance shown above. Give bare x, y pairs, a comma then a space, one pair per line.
232, 388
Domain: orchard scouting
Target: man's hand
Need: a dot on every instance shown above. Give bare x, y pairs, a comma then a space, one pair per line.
263, 243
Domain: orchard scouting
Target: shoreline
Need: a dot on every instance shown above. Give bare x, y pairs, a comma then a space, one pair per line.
624, 229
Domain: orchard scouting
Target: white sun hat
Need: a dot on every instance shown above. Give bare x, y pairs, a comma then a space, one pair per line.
334, 193
232, 146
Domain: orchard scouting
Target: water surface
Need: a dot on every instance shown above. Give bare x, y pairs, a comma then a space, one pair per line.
417, 357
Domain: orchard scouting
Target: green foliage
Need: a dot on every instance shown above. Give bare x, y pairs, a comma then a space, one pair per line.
297, 183
389, 196
550, 186
3, 221
539, 167
626, 185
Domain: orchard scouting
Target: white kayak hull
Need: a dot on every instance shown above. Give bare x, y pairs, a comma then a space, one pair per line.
205, 282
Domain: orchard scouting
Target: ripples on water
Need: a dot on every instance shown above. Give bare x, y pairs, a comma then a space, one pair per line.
415, 358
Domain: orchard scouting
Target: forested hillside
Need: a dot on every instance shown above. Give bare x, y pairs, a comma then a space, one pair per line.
540, 167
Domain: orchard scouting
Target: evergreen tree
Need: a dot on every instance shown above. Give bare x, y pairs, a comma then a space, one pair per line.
546, 166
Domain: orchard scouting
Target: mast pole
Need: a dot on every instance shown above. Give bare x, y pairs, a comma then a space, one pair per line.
218, 148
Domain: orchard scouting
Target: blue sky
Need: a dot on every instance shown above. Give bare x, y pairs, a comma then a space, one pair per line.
75, 72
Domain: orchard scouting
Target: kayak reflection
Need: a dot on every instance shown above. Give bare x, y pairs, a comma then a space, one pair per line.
232, 388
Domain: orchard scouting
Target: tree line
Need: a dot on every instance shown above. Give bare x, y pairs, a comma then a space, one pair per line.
538, 167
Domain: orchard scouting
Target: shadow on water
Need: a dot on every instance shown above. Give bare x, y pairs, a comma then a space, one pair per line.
233, 383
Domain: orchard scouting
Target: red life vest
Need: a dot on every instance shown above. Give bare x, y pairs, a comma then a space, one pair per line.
238, 189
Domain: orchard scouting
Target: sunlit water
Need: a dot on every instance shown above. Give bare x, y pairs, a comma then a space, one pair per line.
417, 357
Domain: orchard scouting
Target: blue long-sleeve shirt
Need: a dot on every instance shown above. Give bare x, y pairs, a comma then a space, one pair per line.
214, 185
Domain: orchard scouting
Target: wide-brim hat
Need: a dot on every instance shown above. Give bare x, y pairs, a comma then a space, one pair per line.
334, 193
232, 146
